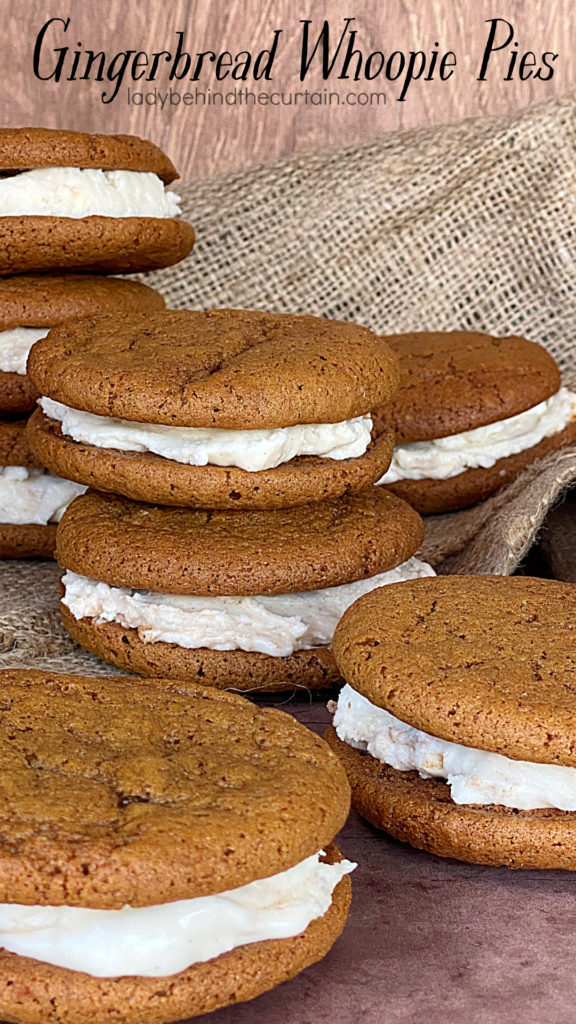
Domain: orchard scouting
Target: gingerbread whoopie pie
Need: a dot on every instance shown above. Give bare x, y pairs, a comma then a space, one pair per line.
31, 305
471, 413
457, 724
220, 409
76, 201
165, 850
32, 500
247, 600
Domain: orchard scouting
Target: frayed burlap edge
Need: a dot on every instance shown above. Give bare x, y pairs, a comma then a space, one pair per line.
495, 536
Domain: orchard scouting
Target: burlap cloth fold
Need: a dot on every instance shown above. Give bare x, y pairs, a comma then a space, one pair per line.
470, 225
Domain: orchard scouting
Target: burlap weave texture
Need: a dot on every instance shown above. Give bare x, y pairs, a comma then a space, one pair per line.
467, 226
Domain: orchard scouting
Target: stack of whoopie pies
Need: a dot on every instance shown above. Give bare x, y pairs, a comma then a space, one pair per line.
235, 456
232, 457
72, 206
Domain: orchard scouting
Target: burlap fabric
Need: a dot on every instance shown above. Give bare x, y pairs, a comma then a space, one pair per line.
470, 225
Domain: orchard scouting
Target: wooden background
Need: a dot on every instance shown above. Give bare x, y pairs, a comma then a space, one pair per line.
204, 140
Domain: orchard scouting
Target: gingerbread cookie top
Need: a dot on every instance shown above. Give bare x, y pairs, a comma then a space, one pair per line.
271, 551
484, 661
459, 380
122, 791
22, 149
44, 300
226, 368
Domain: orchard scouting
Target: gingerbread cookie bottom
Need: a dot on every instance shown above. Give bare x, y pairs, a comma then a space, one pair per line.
28, 541
14, 450
32, 992
432, 497
244, 671
122, 245
421, 812
151, 478
17, 393
44, 300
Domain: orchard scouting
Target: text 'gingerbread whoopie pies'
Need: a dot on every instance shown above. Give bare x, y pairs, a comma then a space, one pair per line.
164, 850
457, 726
242, 599
78, 201
471, 413
220, 409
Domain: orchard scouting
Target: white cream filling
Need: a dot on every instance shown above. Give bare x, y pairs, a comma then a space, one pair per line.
165, 939
75, 192
277, 624
15, 344
30, 495
446, 457
252, 450
474, 776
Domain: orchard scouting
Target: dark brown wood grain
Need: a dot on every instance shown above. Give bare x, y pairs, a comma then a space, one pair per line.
207, 139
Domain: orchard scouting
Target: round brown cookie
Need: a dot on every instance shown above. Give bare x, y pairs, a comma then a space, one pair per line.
45, 300
149, 792
32, 992
147, 477
22, 149
421, 812
459, 380
14, 449
483, 661
112, 245
227, 368
27, 541
244, 671
272, 551
430, 497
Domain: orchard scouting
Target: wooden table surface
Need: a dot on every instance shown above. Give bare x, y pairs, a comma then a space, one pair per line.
205, 140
